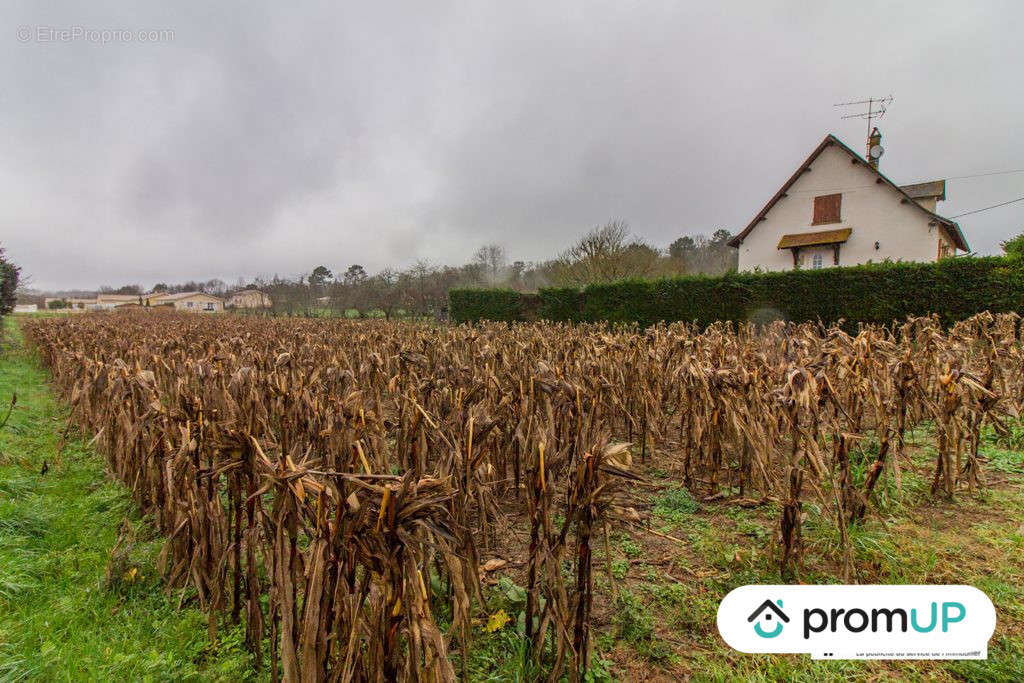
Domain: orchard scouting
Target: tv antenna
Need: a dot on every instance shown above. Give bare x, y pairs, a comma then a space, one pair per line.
876, 109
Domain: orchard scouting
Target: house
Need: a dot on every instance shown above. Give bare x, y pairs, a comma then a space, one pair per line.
106, 302
26, 308
839, 210
198, 302
101, 302
764, 615
185, 301
73, 303
249, 298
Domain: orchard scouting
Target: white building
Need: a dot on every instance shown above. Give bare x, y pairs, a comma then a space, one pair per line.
839, 210
196, 302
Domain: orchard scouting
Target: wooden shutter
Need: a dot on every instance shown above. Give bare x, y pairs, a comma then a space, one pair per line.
827, 209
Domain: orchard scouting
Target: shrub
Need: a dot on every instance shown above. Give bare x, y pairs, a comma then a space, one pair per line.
485, 304
872, 293
8, 284
559, 303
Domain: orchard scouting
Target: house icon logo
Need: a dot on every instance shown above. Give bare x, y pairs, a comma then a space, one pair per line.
764, 616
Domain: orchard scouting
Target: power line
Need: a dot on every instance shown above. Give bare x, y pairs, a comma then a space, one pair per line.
982, 175
994, 206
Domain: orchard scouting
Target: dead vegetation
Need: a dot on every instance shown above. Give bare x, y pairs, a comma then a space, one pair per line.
334, 484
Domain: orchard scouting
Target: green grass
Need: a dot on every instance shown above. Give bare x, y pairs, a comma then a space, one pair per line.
60, 619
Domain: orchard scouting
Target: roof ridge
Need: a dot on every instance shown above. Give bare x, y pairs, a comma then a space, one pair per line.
830, 139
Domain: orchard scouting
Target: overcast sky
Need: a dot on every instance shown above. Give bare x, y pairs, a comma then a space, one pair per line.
261, 138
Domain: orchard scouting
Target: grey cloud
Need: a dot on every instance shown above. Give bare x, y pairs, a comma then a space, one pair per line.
267, 138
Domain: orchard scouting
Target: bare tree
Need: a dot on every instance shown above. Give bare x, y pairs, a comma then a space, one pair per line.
383, 293
605, 254
126, 289
492, 261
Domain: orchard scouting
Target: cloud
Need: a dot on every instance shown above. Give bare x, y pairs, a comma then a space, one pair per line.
269, 139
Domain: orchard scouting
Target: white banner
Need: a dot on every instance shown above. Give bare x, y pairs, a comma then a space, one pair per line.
859, 622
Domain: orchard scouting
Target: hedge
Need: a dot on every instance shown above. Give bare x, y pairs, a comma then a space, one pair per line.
873, 293
485, 304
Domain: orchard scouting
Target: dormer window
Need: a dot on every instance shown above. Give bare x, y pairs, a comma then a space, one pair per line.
827, 209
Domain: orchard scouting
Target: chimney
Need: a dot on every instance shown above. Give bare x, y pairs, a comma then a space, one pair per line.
875, 149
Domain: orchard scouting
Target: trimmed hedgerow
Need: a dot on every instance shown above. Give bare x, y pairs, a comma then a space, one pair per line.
873, 293
468, 305
560, 303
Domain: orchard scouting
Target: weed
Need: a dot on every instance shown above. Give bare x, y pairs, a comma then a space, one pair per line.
620, 568
635, 625
631, 548
674, 504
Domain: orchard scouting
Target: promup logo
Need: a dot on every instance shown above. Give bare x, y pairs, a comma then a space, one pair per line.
860, 622
765, 612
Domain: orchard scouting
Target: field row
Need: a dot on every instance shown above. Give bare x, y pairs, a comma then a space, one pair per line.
334, 484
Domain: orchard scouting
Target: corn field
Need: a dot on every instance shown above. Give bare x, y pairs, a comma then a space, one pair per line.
334, 484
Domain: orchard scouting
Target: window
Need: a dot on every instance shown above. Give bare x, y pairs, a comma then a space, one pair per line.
816, 261
209, 305
189, 304
827, 209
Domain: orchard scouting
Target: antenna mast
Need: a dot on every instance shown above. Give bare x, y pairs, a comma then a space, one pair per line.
876, 110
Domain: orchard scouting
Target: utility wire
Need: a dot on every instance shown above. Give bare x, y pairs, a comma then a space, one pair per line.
983, 175
994, 206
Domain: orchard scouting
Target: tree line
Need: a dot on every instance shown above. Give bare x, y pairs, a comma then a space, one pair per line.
607, 253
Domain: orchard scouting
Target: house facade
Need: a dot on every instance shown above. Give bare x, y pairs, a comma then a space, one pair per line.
249, 298
839, 210
102, 302
105, 302
195, 302
186, 301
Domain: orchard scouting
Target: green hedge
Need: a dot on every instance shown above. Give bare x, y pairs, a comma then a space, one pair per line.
874, 293
485, 304
560, 303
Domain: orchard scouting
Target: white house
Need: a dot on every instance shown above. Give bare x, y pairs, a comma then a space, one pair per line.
839, 210
197, 302
185, 301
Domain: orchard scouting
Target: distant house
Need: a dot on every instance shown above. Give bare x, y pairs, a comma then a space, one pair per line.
73, 303
109, 301
249, 298
101, 302
839, 210
197, 302
26, 308
185, 301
